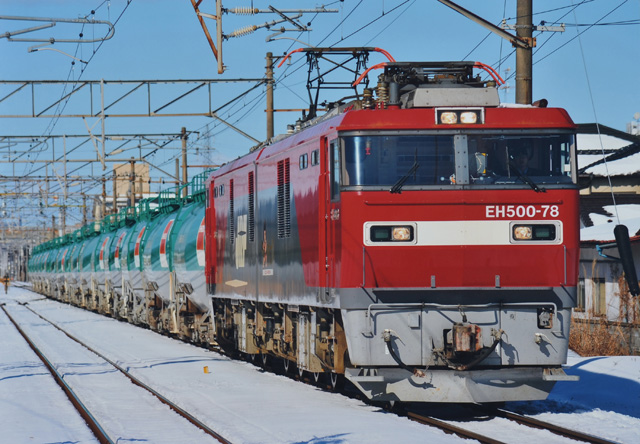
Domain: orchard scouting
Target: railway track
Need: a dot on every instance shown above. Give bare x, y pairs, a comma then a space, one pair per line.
481, 414
553, 428
93, 419
452, 429
459, 424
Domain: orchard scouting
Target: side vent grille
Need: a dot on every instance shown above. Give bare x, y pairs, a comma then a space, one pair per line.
284, 200
232, 219
252, 213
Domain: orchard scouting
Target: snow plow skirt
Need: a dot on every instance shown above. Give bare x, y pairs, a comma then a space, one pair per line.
477, 386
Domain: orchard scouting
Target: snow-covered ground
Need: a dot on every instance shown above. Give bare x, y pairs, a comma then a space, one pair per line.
248, 406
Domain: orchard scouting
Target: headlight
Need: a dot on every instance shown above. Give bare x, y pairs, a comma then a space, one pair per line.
534, 232
449, 118
469, 117
522, 232
390, 233
401, 233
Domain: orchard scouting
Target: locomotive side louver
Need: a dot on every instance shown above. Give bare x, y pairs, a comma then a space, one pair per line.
232, 218
284, 200
252, 212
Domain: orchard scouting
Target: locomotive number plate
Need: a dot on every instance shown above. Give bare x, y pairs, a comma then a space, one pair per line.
511, 211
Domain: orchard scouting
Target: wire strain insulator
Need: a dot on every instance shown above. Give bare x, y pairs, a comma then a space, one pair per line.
243, 31
244, 10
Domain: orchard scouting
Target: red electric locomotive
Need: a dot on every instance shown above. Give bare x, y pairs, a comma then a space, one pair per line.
423, 244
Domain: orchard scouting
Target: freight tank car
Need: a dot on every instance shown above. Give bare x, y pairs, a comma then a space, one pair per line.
424, 245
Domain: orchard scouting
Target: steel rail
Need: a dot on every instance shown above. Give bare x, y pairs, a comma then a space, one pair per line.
511, 416
192, 419
93, 424
553, 428
451, 429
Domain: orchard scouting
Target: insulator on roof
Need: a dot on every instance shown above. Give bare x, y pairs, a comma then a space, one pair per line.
367, 99
382, 91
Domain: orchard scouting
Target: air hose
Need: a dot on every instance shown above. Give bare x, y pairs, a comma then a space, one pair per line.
386, 336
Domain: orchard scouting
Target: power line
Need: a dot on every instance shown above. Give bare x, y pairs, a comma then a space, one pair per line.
375, 20
341, 22
55, 120
620, 23
580, 33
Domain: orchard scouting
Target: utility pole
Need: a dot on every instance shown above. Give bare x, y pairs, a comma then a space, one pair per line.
270, 129
115, 191
132, 183
63, 219
524, 64
84, 209
523, 41
184, 161
104, 198
141, 186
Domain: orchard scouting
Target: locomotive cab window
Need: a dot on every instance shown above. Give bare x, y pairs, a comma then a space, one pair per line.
498, 158
515, 159
398, 160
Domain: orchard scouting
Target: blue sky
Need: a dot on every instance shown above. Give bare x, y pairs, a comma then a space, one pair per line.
162, 39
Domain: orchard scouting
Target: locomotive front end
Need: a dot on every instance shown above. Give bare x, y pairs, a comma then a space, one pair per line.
455, 243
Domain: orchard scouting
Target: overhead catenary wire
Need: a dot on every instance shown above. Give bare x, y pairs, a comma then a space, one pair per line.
59, 110
502, 59
582, 32
383, 14
573, 9
256, 100
248, 109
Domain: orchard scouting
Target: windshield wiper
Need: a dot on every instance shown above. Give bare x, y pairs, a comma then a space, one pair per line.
526, 178
397, 187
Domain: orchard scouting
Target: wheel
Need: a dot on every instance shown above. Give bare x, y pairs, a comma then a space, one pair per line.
264, 360
287, 366
337, 381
